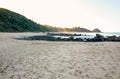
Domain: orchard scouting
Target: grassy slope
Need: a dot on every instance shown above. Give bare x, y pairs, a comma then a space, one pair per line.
14, 22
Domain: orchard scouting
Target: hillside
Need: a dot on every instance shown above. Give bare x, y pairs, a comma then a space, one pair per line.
73, 29
14, 22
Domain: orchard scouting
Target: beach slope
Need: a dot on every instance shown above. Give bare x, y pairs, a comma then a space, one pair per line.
22, 59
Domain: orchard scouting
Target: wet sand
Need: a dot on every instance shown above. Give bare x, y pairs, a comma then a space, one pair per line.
22, 59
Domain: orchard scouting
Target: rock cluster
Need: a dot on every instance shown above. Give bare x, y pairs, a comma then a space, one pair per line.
73, 37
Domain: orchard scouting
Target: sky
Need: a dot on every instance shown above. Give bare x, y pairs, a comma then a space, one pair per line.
90, 14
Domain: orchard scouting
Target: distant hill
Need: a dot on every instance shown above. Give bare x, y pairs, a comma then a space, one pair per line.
14, 22
73, 29
79, 29
96, 30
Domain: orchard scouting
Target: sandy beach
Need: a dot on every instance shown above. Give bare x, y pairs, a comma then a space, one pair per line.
23, 59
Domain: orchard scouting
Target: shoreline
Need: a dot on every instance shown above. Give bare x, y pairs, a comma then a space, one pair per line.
57, 60
80, 37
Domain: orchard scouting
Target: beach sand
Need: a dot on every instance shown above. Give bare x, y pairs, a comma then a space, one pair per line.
23, 59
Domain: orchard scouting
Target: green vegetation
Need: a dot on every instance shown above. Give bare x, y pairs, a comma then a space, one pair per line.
14, 22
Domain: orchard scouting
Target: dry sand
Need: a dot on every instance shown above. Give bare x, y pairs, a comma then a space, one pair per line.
22, 59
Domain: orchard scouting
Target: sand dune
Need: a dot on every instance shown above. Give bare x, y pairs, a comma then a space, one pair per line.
22, 59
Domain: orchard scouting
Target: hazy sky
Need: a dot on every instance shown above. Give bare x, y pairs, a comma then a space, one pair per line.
102, 14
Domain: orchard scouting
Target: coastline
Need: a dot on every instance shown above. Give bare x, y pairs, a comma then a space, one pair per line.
61, 60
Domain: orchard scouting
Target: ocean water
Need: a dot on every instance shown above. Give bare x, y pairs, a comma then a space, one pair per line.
112, 33
102, 33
